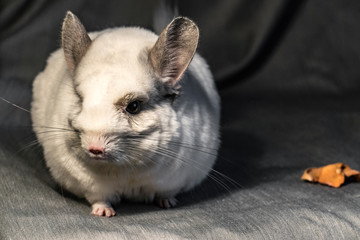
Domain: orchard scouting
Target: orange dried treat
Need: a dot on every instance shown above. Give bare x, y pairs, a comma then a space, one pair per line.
351, 173
333, 175
311, 174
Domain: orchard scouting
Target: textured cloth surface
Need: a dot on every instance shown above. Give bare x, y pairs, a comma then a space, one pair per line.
289, 81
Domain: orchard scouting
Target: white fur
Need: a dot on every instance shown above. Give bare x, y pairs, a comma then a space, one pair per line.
110, 70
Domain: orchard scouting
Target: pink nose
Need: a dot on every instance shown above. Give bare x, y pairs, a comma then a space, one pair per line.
97, 151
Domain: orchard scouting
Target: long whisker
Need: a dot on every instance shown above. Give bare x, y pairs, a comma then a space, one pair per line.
212, 152
49, 135
24, 109
141, 136
15, 105
30, 145
173, 155
194, 147
54, 128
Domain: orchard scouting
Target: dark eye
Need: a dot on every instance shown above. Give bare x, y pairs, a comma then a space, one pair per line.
133, 107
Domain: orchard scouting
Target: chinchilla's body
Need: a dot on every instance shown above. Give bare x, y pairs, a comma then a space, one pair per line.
122, 113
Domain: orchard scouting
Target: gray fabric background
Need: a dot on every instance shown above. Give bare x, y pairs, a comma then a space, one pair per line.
288, 74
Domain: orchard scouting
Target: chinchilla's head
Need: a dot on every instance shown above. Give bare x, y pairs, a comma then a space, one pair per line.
125, 80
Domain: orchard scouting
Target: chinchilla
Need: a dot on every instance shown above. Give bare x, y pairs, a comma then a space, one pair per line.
124, 113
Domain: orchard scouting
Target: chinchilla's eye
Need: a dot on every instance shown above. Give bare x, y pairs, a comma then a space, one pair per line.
133, 107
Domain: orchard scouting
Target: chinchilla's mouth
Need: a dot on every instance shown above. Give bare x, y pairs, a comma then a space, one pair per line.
101, 157
106, 158
98, 157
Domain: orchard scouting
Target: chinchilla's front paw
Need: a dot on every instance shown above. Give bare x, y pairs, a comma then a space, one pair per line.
102, 209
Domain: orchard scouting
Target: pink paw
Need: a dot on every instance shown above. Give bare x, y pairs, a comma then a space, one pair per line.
102, 209
166, 202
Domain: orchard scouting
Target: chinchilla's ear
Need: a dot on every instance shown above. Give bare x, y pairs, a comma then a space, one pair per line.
75, 40
174, 50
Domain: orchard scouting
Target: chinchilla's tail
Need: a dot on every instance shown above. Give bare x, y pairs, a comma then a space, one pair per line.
164, 13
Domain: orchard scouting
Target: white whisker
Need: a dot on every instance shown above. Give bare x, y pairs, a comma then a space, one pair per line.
15, 105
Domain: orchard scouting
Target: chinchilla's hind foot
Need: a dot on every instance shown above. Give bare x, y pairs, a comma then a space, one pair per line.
166, 202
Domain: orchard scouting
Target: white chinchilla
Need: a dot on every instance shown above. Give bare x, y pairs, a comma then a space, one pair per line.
124, 113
